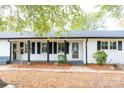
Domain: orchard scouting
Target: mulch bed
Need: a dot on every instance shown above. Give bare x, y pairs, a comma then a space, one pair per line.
100, 67
42, 65
63, 66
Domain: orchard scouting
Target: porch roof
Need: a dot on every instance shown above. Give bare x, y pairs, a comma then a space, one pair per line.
62, 35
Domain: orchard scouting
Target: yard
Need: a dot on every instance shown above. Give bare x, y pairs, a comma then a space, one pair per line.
67, 76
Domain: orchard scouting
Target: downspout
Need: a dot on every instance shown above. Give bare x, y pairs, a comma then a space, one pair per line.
10, 50
86, 51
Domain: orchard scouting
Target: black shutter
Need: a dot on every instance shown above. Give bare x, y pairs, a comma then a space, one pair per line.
98, 45
38, 48
55, 47
67, 47
21, 47
50, 47
119, 45
33, 48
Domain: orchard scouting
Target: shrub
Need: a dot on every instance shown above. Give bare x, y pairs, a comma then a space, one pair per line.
100, 57
62, 58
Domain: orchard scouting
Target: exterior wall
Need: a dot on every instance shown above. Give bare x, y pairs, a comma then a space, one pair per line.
91, 49
4, 51
52, 57
114, 56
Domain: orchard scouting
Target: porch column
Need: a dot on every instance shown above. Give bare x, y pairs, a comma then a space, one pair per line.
10, 51
65, 49
29, 48
47, 50
86, 50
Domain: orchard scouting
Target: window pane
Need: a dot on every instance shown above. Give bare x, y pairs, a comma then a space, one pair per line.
60, 47
119, 45
55, 47
104, 45
113, 45
110, 45
33, 47
38, 48
44, 47
26, 47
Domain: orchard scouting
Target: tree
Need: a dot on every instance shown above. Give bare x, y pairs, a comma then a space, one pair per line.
46, 18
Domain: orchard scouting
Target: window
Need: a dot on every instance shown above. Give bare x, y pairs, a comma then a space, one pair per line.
113, 45
21, 48
60, 47
38, 48
50, 47
55, 47
44, 47
119, 45
33, 48
104, 45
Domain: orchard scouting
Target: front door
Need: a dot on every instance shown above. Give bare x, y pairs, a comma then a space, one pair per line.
14, 51
75, 50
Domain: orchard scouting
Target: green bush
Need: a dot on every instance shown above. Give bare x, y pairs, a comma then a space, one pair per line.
100, 57
62, 58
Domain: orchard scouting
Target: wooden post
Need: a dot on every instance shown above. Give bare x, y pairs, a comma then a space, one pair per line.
65, 50
10, 51
47, 50
86, 51
29, 51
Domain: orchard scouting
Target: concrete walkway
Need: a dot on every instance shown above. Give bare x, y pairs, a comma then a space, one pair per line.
71, 69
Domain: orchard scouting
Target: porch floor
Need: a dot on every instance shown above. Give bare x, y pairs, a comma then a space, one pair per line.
77, 62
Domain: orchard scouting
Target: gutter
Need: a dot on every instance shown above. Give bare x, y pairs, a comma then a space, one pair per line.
86, 50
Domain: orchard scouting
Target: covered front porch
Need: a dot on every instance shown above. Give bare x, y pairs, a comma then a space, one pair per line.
47, 50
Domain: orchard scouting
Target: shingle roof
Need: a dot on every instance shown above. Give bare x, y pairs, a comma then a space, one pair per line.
70, 34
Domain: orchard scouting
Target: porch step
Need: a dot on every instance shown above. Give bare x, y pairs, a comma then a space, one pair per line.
75, 62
